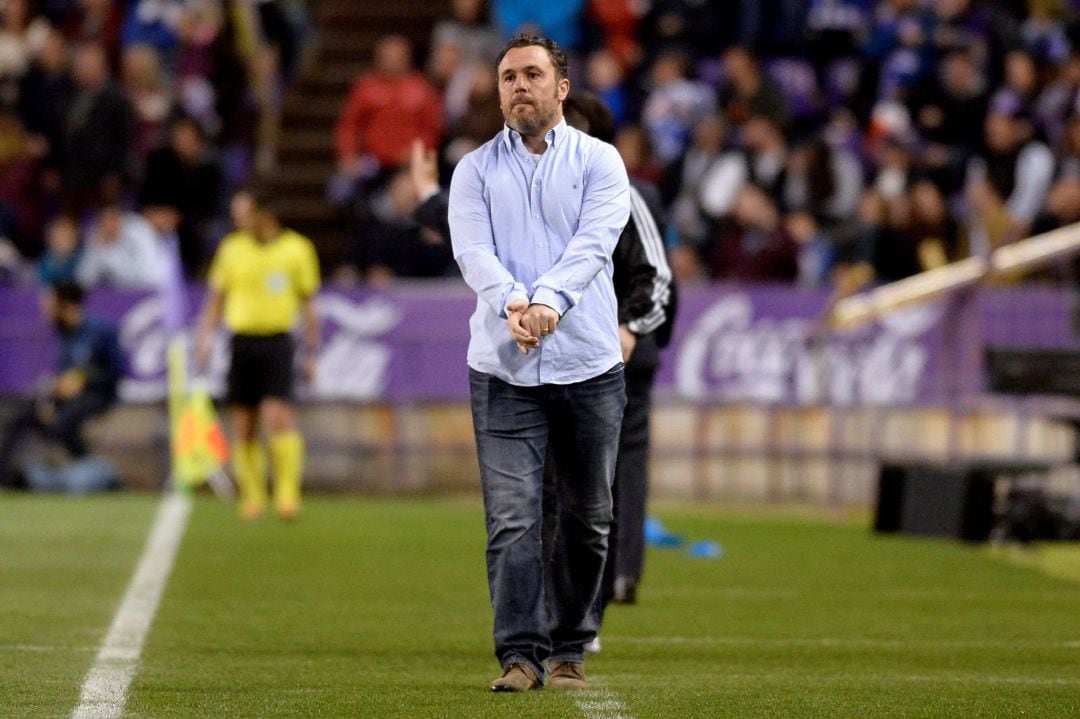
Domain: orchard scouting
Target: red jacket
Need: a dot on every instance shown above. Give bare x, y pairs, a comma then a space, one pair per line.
383, 115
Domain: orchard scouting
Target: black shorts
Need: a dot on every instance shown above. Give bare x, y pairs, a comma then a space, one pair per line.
261, 367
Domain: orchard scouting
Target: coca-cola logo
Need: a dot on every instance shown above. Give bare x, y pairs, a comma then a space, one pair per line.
352, 362
730, 355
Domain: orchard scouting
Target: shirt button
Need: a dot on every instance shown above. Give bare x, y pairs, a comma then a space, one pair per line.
537, 216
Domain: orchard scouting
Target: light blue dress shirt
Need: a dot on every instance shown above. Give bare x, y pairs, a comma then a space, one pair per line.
541, 228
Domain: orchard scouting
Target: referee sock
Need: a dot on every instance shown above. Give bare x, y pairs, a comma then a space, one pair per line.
249, 464
287, 454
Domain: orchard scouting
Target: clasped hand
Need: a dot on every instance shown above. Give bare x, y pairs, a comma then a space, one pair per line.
528, 324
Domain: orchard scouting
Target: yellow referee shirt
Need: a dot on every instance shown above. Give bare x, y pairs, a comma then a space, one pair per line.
264, 284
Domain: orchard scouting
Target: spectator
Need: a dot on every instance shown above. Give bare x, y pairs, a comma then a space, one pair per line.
59, 263
990, 225
606, 76
478, 117
99, 133
834, 31
816, 254
1016, 167
96, 22
754, 246
895, 164
636, 151
20, 199
1058, 102
392, 244
748, 92
469, 31
1021, 87
1062, 206
618, 23
153, 23
559, 20
685, 180
1068, 159
763, 161
386, 109
935, 233
956, 101
145, 87
88, 372
45, 96
200, 32
674, 105
184, 175
122, 250
824, 180
21, 38
892, 247
1042, 32
696, 27
772, 26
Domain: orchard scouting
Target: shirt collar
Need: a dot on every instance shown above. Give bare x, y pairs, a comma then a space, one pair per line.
554, 136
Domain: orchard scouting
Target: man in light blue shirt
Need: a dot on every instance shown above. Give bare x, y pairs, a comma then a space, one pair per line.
534, 217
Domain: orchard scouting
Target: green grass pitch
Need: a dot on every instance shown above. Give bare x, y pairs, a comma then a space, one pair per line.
378, 608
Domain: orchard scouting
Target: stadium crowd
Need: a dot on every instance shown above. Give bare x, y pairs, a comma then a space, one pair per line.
127, 122
809, 141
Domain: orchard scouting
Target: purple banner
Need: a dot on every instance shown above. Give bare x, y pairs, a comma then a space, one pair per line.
758, 344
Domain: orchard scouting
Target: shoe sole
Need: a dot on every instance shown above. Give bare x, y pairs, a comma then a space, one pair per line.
504, 689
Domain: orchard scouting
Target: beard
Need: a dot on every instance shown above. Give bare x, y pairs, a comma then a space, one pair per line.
530, 124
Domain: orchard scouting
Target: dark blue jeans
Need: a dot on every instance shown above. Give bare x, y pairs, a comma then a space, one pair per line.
513, 427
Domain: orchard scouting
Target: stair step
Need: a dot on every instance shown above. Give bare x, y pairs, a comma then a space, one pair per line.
332, 76
348, 32
305, 208
309, 140
312, 175
312, 107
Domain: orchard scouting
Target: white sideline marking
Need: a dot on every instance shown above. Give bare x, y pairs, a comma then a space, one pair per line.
104, 691
43, 648
602, 704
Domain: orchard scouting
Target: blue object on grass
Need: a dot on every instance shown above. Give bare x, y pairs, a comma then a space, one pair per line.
705, 549
658, 536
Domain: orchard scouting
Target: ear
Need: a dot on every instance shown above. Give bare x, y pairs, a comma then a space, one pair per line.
564, 89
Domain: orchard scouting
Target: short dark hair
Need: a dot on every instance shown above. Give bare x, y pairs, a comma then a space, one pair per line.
555, 53
594, 111
68, 293
262, 199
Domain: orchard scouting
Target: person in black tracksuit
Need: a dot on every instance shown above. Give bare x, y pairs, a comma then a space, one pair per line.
647, 301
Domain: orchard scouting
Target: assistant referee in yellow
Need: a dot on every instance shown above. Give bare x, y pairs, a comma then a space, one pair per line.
263, 277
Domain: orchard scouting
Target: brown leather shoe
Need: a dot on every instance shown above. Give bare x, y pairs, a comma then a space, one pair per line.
516, 678
567, 675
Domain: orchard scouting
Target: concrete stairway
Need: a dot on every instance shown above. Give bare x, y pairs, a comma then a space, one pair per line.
346, 34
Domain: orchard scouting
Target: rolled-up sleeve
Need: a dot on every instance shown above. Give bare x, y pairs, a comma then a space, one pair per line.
473, 242
605, 209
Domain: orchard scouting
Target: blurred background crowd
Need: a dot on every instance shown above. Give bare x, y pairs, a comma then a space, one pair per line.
820, 142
